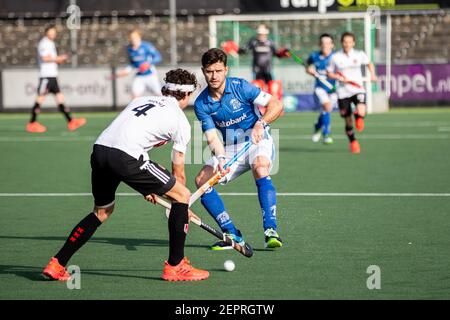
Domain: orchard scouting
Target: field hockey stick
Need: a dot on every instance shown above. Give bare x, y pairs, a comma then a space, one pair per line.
350, 82
246, 249
316, 75
215, 178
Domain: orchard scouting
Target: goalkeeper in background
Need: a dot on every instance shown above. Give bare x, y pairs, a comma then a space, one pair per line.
263, 50
143, 57
317, 64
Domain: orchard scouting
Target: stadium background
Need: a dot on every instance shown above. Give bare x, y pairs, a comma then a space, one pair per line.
418, 76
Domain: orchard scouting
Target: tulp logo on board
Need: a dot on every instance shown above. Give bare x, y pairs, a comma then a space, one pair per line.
322, 5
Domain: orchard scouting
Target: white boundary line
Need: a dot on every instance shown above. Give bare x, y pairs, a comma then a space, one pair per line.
234, 194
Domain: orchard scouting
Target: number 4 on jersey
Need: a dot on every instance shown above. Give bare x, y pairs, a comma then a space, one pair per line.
141, 110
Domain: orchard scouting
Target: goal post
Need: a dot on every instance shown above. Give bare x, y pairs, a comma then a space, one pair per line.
300, 33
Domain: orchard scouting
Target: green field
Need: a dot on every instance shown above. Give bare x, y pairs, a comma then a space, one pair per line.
338, 214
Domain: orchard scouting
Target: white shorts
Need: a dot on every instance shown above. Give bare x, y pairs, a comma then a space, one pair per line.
149, 82
324, 97
264, 148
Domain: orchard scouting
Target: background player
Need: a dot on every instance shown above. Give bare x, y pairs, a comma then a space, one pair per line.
227, 104
48, 72
263, 49
346, 66
143, 57
120, 155
317, 64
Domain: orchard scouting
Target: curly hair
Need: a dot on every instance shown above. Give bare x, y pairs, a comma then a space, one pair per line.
178, 76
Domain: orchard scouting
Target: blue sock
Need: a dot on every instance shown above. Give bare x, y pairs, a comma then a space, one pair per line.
326, 116
319, 122
214, 205
267, 196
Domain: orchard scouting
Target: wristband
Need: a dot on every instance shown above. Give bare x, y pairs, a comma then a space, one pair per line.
263, 123
221, 157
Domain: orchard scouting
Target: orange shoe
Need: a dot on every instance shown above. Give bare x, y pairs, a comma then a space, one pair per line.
55, 271
184, 271
35, 127
74, 124
359, 124
355, 147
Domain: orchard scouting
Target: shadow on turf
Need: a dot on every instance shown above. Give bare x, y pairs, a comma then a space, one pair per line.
129, 243
35, 273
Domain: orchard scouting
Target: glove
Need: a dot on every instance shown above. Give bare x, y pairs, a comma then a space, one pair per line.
283, 53
230, 47
143, 67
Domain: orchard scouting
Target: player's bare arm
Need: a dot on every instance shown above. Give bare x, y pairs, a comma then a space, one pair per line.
216, 148
373, 74
273, 111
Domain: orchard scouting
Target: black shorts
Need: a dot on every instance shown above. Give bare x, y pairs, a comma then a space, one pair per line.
111, 166
345, 105
263, 74
48, 85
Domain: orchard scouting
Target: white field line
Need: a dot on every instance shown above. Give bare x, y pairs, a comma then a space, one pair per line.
234, 194
282, 137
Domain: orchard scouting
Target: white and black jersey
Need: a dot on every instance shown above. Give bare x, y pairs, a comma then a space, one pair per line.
120, 152
148, 122
46, 47
350, 65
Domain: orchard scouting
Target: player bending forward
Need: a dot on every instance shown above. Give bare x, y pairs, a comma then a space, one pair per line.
346, 67
120, 155
228, 105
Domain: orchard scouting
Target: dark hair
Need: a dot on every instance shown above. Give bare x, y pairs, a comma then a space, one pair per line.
178, 76
52, 26
326, 35
212, 56
348, 34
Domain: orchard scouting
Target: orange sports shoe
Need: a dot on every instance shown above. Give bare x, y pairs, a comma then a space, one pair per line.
355, 147
74, 124
359, 124
35, 127
55, 271
184, 271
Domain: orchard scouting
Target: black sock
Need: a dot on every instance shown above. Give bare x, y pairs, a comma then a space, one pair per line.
79, 236
34, 112
178, 227
350, 133
357, 116
65, 111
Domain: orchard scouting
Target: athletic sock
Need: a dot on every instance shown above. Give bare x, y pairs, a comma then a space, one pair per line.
214, 205
357, 116
350, 133
326, 123
78, 237
319, 122
178, 228
34, 111
267, 196
62, 108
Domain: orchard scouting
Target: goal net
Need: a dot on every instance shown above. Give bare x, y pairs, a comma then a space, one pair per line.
300, 33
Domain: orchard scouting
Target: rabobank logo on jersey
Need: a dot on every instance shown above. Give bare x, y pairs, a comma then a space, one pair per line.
236, 105
224, 124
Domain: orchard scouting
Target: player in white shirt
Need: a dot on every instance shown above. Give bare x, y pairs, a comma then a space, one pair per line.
48, 72
346, 67
120, 155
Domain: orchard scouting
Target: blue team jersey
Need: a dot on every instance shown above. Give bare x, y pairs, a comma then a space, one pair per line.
321, 63
145, 53
234, 114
